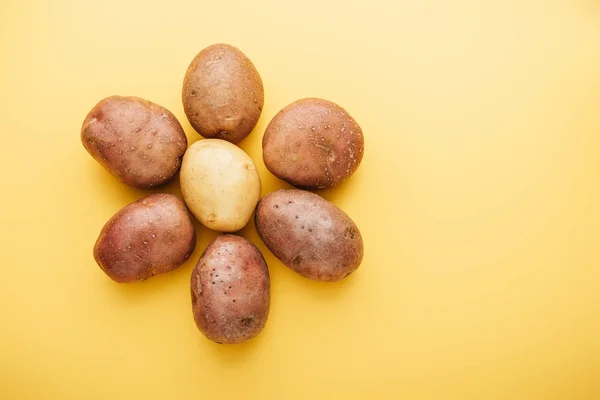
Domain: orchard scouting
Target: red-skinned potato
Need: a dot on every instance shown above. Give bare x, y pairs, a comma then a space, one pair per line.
151, 236
313, 144
139, 142
230, 290
308, 234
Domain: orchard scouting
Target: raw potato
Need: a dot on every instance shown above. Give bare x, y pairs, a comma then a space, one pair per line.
220, 184
313, 144
148, 237
223, 93
309, 234
230, 290
139, 142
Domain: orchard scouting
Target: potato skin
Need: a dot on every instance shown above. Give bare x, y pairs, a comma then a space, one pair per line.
230, 290
139, 142
313, 144
220, 184
151, 236
223, 93
309, 234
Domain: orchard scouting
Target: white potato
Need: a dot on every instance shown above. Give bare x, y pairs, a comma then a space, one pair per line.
220, 184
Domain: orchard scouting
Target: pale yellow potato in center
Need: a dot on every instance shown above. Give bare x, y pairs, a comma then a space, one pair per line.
220, 184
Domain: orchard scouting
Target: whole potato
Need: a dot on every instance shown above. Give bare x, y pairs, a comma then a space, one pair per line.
230, 290
313, 144
139, 142
220, 184
223, 93
148, 237
309, 234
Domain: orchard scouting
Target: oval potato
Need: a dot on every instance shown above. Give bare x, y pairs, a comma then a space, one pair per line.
151, 236
313, 144
230, 290
220, 184
309, 234
139, 142
223, 93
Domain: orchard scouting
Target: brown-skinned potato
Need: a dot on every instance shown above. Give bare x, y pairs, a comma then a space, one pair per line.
223, 93
313, 144
230, 290
139, 142
308, 234
151, 236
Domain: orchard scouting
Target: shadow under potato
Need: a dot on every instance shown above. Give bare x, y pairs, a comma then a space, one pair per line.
233, 355
327, 291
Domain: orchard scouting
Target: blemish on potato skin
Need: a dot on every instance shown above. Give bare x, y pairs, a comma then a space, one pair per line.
349, 232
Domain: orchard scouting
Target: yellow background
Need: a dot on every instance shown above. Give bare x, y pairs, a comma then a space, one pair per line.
478, 200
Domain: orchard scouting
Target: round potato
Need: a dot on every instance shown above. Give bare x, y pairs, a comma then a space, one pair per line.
223, 94
148, 237
313, 144
220, 184
230, 290
139, 142
309, 234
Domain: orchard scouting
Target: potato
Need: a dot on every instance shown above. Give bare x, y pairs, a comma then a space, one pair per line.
313, 144
139, 142
148, 237
309, 234
223, 94
220, 184
230, 290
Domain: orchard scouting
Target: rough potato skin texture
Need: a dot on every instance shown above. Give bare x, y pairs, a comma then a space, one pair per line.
223, 93
148, 237
313, 144
139, 142
309, 234
230, 290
